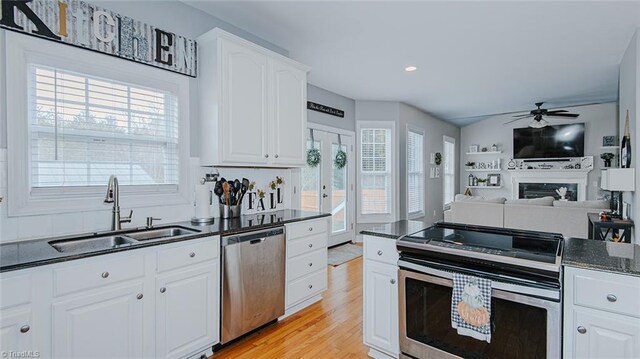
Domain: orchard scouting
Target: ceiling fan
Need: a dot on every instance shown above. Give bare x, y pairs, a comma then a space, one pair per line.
537, 116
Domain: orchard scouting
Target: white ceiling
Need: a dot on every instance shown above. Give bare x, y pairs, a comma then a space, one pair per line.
473, 58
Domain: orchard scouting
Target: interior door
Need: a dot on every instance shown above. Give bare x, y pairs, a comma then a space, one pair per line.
329, 189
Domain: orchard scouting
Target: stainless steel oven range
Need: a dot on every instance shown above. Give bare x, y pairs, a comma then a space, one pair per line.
525, 271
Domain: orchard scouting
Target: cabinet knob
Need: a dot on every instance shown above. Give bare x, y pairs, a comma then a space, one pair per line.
379, 253
276, 156
310, 229
163, 289
105, 274
24, 328
310, 286
139, 296
192, 254
393, 281
310, 264
266, 155
612, 298
582, 330
310, 245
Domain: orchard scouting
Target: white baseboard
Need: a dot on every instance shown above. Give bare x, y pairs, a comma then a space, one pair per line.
375, 354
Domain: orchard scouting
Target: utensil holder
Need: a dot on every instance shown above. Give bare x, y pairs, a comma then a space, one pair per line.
230, 211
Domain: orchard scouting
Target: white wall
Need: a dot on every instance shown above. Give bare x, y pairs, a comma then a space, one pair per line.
600, 120
328, 98
434, 129
629, 92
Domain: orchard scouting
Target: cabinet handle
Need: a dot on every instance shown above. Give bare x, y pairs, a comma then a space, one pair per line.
310, 229
582, 330
612, 298
139, 296
310, 264
310, 286
393, 281
310, 245
276, 156
192, 254
266, 155
24, 328
379, 253
105, 274
163, 289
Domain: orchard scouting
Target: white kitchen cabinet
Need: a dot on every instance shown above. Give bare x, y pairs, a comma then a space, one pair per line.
100, 324
187, 310
381, 327
601, 318
252, 104
289, 112
16, 334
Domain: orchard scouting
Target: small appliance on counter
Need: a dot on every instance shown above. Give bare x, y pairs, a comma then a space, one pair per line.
204, 200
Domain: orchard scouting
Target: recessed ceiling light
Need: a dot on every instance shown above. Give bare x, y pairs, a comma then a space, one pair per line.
410, 68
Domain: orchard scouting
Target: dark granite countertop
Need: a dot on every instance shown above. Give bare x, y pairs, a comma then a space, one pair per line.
38, 252
395, 230
622, 258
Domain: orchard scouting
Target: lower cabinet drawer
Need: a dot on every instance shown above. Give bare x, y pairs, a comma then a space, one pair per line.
306, 287
188, 254
606, 291
381, 250
307, 244
95, 272
306, 264
15, 290
306, 228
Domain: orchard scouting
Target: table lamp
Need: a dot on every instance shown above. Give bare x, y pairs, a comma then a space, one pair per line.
618, 180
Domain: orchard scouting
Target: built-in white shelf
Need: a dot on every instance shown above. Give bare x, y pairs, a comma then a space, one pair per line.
609, 147
487, 187
483, 170
485, 153
554, 170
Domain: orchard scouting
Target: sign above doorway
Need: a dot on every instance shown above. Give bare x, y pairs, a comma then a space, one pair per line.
325, 109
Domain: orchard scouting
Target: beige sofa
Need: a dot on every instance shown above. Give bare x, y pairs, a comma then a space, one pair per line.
569, 219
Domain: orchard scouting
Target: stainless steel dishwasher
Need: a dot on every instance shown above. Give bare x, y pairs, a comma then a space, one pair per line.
253, 281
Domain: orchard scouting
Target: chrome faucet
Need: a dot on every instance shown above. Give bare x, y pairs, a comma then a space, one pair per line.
113, 196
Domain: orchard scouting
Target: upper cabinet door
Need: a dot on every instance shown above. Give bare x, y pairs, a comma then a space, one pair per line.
243, 127
289, 113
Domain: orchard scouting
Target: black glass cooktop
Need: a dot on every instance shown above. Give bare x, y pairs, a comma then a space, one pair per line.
537, 246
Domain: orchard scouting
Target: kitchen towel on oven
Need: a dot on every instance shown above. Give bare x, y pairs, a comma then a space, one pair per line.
471, 306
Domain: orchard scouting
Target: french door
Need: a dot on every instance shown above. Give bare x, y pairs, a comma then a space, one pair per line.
328, 187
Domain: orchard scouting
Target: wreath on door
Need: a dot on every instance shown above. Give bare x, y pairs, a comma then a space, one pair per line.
341, 157
313, 154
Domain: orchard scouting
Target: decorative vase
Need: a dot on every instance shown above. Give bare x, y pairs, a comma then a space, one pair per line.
607, 163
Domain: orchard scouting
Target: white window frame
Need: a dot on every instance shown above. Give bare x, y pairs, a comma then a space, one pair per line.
445, 138
26, 50
393, 157
421, 212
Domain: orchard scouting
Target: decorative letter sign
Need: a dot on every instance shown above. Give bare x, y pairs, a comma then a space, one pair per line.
80, 24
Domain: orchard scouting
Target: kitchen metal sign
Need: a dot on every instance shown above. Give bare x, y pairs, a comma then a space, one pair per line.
84, 25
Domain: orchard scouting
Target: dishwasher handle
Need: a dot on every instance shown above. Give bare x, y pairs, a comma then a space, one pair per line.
253, 237
257, 241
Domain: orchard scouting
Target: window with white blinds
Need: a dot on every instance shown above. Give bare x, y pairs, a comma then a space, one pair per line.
449, 170
375, 170
415, 173
82, 129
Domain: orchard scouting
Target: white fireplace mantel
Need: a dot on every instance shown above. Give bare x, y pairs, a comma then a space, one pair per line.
578, 177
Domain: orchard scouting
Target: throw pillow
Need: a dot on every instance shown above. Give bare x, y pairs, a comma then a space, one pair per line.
544, 201
463, 198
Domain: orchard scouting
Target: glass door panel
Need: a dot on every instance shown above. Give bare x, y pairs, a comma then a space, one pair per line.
310, 185
338, 192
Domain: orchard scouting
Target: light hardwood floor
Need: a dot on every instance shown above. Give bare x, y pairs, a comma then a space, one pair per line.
331, 328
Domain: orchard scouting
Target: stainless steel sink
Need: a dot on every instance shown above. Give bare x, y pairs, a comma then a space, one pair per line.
91, 244
160, 233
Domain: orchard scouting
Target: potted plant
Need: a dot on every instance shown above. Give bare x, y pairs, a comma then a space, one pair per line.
469, 165
607, 157
482, 181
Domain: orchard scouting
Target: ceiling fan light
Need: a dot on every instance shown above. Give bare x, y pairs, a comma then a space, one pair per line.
538, 124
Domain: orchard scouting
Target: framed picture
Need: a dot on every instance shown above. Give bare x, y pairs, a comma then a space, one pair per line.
493, 180
473, 148
609, 141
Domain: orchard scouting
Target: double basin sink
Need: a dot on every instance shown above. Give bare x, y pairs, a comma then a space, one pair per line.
113, 240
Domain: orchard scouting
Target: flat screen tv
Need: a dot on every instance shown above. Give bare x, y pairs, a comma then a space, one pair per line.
549, 142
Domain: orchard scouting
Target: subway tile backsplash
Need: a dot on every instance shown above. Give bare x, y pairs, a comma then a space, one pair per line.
29, 227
